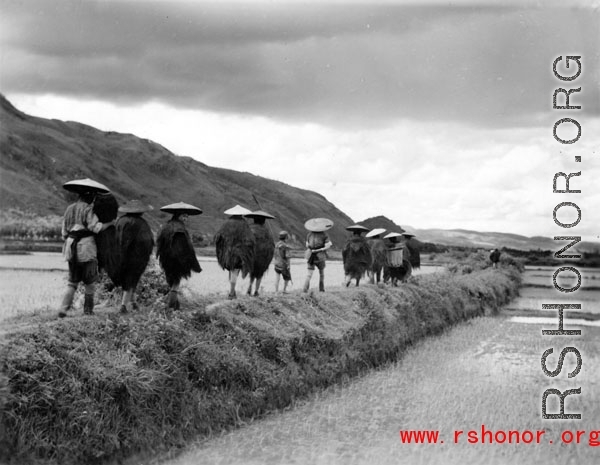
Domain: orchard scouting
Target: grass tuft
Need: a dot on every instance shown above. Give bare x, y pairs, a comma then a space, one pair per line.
101, 389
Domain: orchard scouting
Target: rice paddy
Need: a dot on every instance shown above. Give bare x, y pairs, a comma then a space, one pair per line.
485, 371
34, 283
152, 380
482, 372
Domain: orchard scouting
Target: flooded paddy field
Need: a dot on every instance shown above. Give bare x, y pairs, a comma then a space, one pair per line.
484, 373
35, 282
538, 288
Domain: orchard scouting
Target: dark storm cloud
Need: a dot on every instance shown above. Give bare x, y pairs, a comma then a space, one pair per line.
337, 64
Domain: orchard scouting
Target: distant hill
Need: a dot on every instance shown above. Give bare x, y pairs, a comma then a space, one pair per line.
476, 239
381, 222
490, 240
38, 155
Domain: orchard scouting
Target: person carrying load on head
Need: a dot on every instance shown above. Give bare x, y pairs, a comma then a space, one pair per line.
79, 225
282, 262
175, 251
317, 243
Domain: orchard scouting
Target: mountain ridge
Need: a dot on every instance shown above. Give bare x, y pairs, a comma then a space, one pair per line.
37, 155
478, 239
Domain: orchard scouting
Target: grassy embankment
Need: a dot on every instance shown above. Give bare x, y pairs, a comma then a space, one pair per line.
95, 390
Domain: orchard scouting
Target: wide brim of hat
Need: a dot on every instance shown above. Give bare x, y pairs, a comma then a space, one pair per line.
85, 185
392, 234
237, 210
375, 232
259, 214
318, 224
357, 227
181, 208
135, 206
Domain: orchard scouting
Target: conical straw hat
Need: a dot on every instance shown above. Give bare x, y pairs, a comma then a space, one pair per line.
318, 224
357, 227
85, 185
181, 208
237, 210
259, 213
392, 234
375, 232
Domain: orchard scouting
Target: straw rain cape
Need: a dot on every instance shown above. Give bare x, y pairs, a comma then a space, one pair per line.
356, 255
234, 244
414, 255
379, 255
264, 248
176, 253
105, 206
135, 242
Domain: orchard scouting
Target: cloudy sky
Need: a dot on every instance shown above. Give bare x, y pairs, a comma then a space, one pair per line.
433, 115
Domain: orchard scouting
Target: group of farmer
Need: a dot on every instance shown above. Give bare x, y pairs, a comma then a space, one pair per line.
123, 251
390, 257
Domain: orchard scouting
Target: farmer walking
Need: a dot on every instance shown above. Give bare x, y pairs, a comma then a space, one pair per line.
378, 253
175, 251
495, 258
282, 262
412, 249
80, 223
356, 255
234, 245
263, 248
317, 243
135, 243
398, 267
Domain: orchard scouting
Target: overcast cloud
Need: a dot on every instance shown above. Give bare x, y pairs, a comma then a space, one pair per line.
435, 116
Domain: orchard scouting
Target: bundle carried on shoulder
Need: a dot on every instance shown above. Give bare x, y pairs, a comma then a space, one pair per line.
412, 246
106, 207
356, 256
234, 244
264, 248
136, 242
176, 253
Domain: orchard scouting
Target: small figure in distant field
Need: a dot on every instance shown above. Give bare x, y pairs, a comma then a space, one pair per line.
495, 258
356, 255
263, 248
234, 243
135, 243
80, 223
398, 267
175, 251
378, 254
317, 243
282, 262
